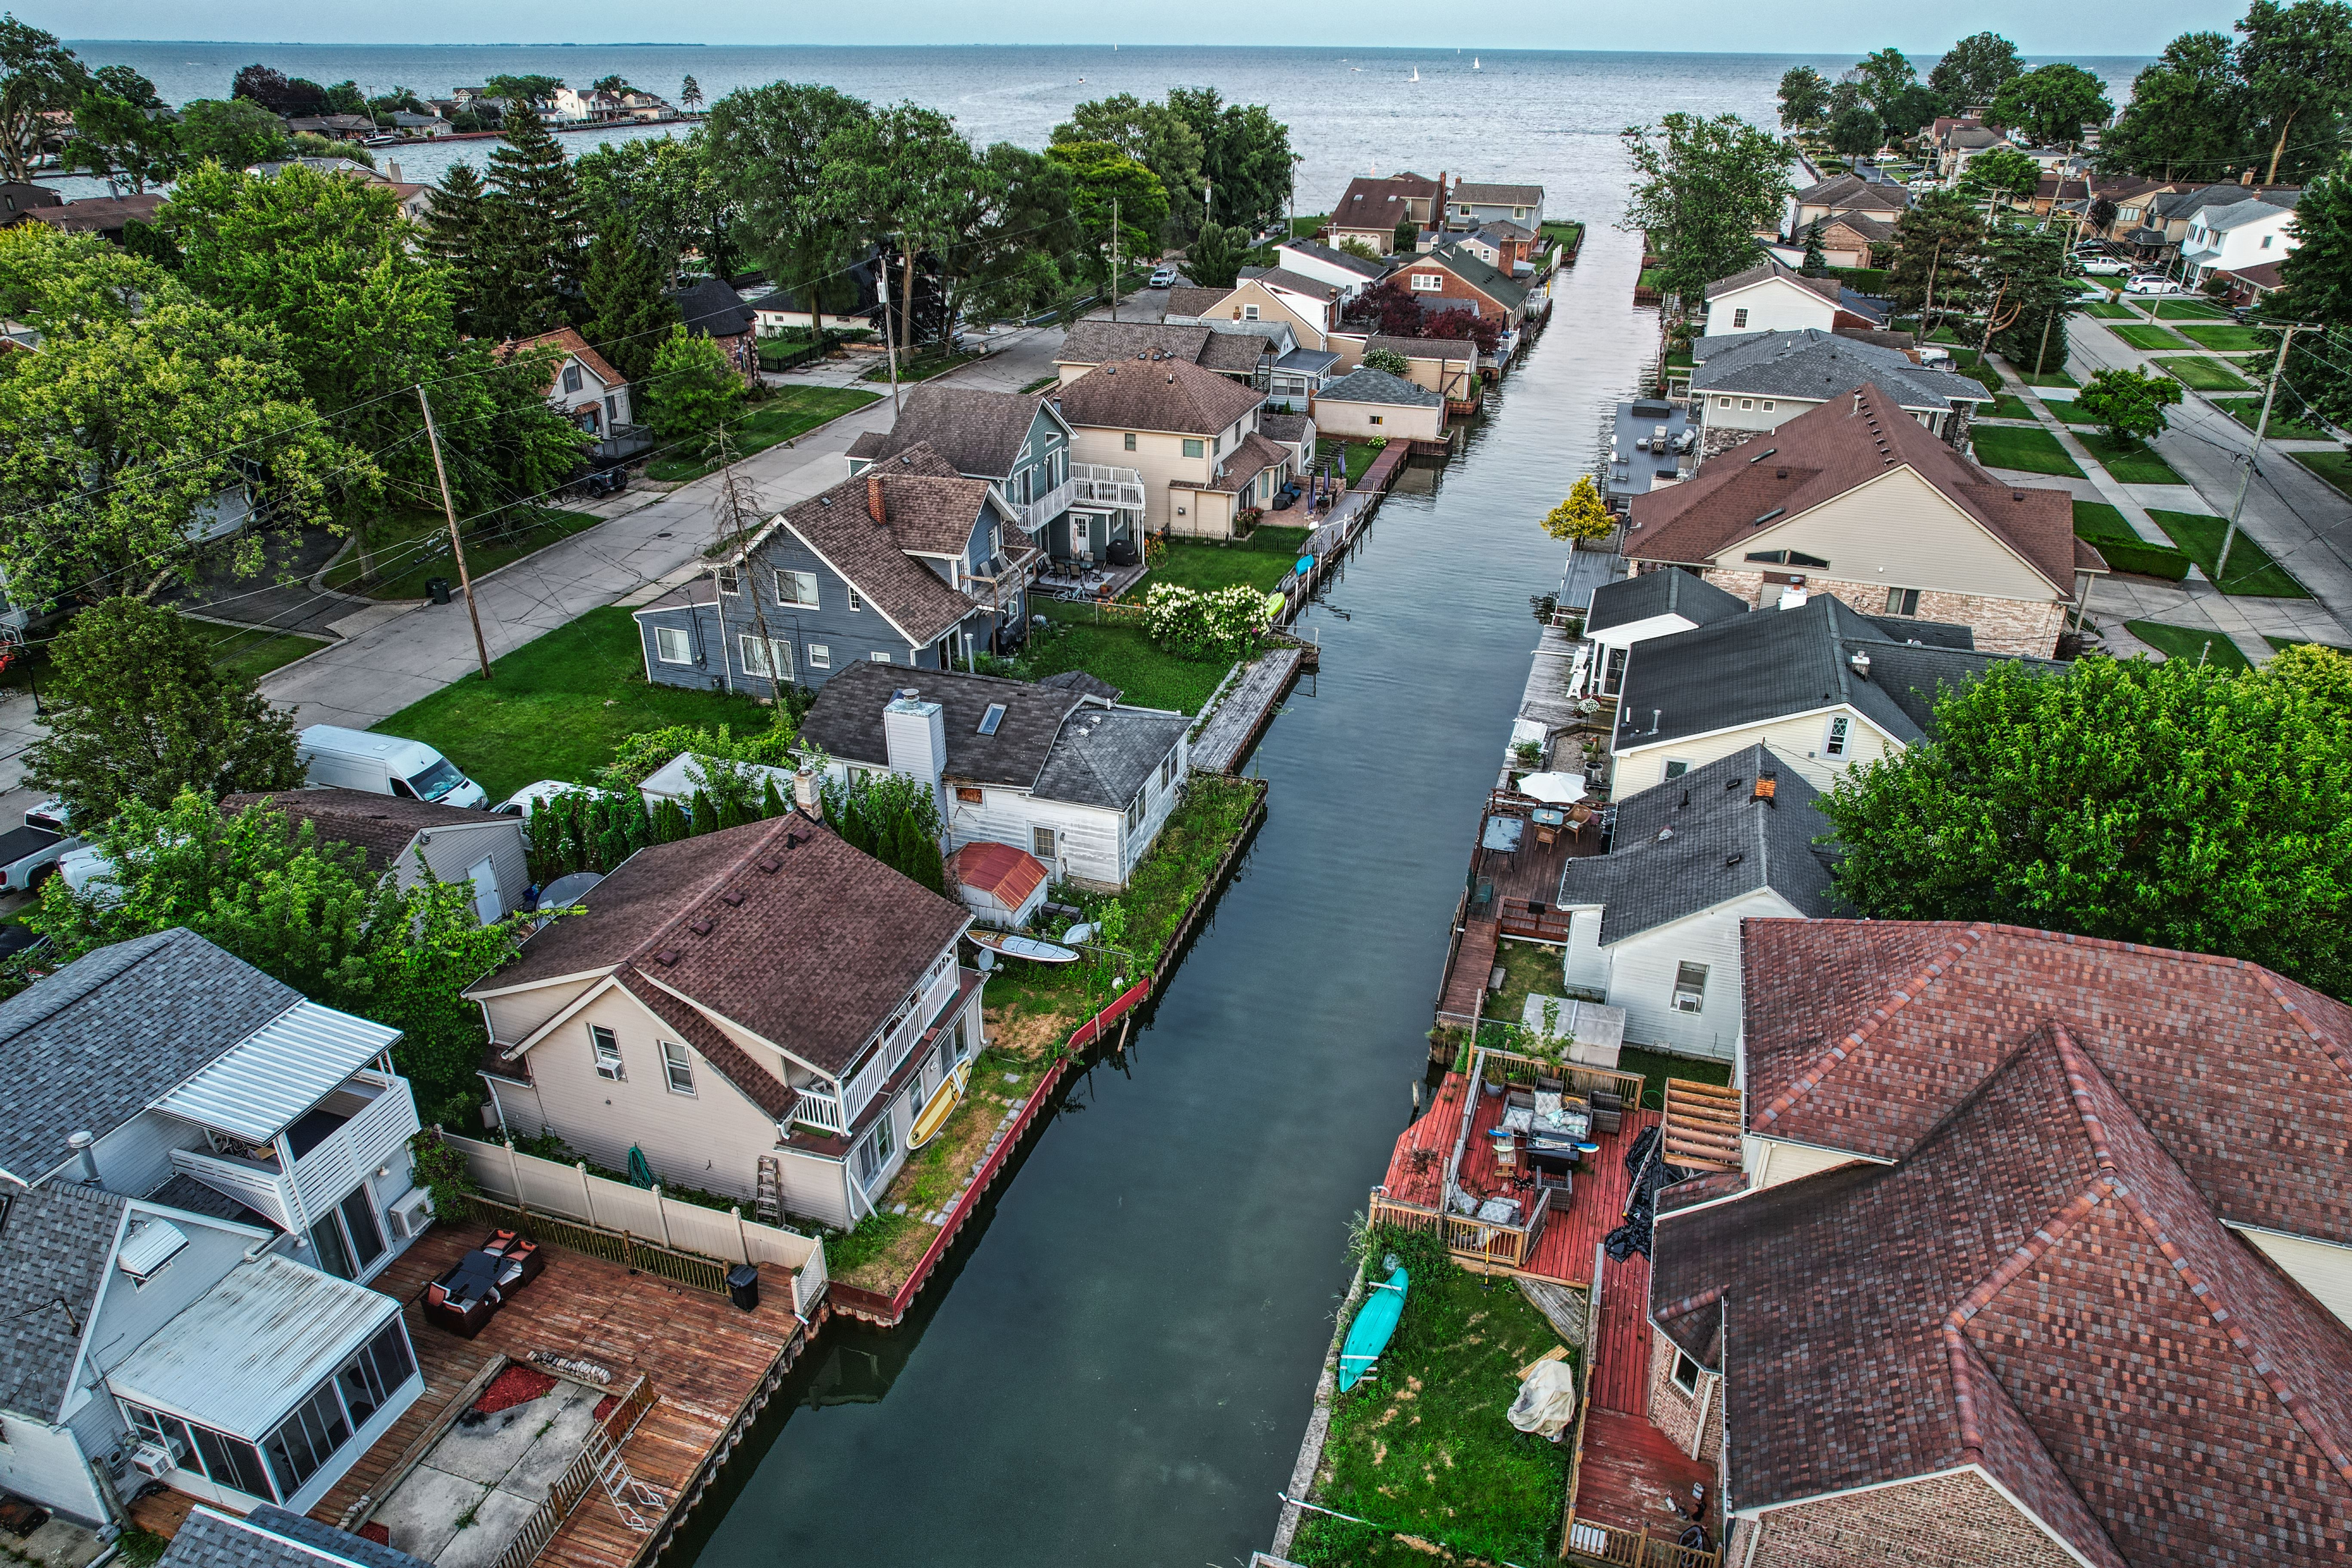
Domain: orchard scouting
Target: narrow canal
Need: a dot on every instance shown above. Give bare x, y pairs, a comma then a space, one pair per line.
1120, 1370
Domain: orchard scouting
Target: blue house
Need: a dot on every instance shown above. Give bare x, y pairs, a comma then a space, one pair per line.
909, 563
1018, 443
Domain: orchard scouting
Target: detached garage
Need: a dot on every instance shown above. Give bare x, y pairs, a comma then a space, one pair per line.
1374, 406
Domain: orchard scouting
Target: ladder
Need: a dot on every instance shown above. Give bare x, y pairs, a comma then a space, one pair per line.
770, 1202
632, 1496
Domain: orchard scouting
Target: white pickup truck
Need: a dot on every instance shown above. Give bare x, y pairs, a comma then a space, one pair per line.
30, 852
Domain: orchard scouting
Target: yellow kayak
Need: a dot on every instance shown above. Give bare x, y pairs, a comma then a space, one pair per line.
944, 1100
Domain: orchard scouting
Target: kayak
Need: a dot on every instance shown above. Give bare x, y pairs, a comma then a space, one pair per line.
1376, 1320
944, 1099
1014, 947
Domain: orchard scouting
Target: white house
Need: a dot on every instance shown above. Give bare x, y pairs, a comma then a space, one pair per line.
1324, 264
1771, 298
582, 385
2249, 233
1653, 925
1635, 609
408, 840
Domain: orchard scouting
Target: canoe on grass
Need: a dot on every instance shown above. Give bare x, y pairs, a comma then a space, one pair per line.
943, 1100
1376, 1320
1014, 946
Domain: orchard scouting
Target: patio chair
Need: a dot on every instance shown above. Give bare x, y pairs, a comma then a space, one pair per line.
1608, 1110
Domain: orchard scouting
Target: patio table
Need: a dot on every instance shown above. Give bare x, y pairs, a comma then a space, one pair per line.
1503, 834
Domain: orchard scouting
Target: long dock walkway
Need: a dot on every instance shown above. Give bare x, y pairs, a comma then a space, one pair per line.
1245, 709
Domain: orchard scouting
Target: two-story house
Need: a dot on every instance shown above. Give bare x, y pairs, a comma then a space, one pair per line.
1502, 245
1772, 297
763, 1010
1859, 499
582, 385
1753, 383
1451, 279
2243, 233
1081, 782
1307, 306
1630, 610
1348, 273
1838, 197
909, 563
1473, 205
1190, 432
1017, 442
1372, 206
409, 840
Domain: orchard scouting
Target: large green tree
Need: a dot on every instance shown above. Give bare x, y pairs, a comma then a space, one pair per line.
123, 134
1883, 74
37, 76
1804, 98
1999, 174
1858, 132
453, 237
2128, 404
2187, 115
2316, 275
533, 234
1154, 135
233, 131
693, 389
2027, 295
900, 180
2052, 104
2138, 802
1014, 233
668, 193
1246, 162
1702, 190
1938, 245
2297, 62
1973, 69
136, 711
629, 311
1104, 181
764, 155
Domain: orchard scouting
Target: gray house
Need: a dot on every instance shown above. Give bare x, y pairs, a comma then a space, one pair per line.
409, 840
1018, 443
1472, 206
909, 563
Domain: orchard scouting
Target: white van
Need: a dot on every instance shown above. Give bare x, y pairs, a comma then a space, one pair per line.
383, 765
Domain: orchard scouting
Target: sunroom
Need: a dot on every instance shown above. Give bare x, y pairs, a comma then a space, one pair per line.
268, 1386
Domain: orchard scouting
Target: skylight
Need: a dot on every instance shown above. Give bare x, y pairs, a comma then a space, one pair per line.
991, 718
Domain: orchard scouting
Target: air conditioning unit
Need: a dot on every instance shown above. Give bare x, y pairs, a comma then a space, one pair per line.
412, 1213
154, 1459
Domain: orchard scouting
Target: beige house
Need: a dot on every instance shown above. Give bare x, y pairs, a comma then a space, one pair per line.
1378, 406
1191, 433
1373, 205
1308, 308
761, 1012
1447, 366
410, 841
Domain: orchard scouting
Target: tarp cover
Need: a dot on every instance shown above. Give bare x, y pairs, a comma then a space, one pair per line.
1547, 1401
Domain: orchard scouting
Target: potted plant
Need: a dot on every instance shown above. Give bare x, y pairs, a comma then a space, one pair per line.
1528, 753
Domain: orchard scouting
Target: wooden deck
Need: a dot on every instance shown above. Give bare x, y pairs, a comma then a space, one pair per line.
1523, 885
1466, 982
1634, 1476
1246, 710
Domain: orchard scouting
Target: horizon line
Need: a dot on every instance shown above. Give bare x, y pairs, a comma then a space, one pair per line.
1250, 48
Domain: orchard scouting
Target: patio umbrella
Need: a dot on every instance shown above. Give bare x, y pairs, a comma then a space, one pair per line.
1558, 789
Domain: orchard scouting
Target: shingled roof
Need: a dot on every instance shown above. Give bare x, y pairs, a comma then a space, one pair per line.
1810, 365
2044, 1281
1368, 385
1093, 342
927, 508
1160, 394
846, 720
1672, 592
379, 826
975, 431
55, 1241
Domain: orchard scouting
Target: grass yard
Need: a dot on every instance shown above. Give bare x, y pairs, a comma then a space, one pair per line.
556, 707
2008, 406
250, 654
2109, 310
2187, 310
1983, 375
2228, 338
1655, 1067
2188, 642
1040, 384
2132, 465
2335, 468
2144, 336
1119, 653
784, 413
1530, 968
920, 368
413, 547
2247, 411
2033, 451
2281, 644
1360, 454
2252, 569
1260, 561
2203, 374
1422, 1447
2044, 378
2105, 526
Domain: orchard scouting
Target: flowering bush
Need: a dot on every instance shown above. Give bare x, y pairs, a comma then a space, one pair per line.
1224, 624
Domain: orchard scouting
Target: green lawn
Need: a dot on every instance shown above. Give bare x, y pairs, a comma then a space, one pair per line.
1567, 235
1360, 454
1655, 1067
2148, 337
412, 547
1119, 654
2187, 310
2045, 377
556, 707
2283, 643
2109, 310
1301, 227
1040, 384
1983, 375
2252, 569
1260, 561
2105, 526
783, 415
2247, 410
1421, 1448
2008, 406
2190, 643
2228, 338
2335, 468
2033, 451
2132, 465
2202, 373
249, 655
919, 369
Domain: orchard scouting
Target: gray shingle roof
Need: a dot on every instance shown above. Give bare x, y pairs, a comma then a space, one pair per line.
711, 308
1827, 288
270, 1537
1295, 283
977, 430
1104, 755
1096, 343
1497, 195
1366, 384
94, 1044
846, 720
1816, 366
54, 1244
1722, 843
1486, 279
2237, 214
1672, 592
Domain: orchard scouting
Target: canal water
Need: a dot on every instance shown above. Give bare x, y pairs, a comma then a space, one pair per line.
1120, 1365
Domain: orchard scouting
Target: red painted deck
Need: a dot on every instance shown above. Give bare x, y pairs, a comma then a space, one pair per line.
1632, 1477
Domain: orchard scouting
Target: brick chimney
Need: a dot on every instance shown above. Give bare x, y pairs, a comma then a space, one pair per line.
2247, 177
874, 506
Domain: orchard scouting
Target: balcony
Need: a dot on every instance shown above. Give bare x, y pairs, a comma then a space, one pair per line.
311, 1164
899, 1037
1036, 514
1102, 485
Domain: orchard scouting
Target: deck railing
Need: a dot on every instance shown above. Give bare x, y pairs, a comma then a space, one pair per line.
578, 1477
1478, 1240
1596, 1543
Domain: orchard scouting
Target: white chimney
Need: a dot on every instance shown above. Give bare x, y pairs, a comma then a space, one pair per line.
805, 795
1792, 598
915, 736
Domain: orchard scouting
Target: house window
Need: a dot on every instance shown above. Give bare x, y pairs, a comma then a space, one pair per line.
1167, 770
306, 1439
1690, 987
370, 1377
572, 378
1130, 441
820, 656
670, 646
1195, 448
1686, 1373
227, 1461
855, 600
1041, 843
729, 580
678, 1067
969, 796
606, 1048
1768, 406
1135, 812
2266, 241
1249, 312
1676, 769
1740, 318
1747, 402
1428, 282
797, 589
1378, 419
756, 656
1723, 403
1836, 744
1903, 602
879, 658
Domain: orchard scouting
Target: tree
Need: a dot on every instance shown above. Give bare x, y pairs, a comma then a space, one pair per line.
233, 133
1010, 228
1100, 175
1817, 260
694, 387
122, 133
2051, 104
1460, 324
1214, 260
2188, 113
2296, 61
1245, 162
1388, 359
629, 313
1857, 133
2027, 296
1883, 74
1702, 190
1937, 242
689, 94
532, 233
2000, 172
901, 176
452, 236
136, 711
763, 153
1406, 237
37, 76
667, 194
2138, 801
615, 84
1582, 515
2317, 285
1973, 69
345, 98
1154, 135
2129, 404
1804, 98
1909, 111
280, 94
1359, 247
527, 90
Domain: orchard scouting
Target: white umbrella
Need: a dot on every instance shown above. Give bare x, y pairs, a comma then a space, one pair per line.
1558, 789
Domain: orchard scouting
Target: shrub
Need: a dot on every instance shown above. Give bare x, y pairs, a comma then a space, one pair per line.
1223, 624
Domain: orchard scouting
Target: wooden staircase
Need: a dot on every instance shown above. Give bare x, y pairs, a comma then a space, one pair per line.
1702, 1125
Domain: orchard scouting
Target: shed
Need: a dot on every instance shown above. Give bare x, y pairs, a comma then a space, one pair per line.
1375, 405
1000, 884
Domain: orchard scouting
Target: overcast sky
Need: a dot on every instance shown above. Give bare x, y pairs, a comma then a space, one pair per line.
1776, 27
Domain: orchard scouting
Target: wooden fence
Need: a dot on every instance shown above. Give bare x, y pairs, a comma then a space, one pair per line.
579, 1476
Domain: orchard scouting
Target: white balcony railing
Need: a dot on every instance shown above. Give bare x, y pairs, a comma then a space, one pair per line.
1101, 484
1036, 514
294, 1192
821, 1112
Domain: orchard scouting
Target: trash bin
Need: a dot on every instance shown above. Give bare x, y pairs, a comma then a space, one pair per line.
743, 1286
439, 588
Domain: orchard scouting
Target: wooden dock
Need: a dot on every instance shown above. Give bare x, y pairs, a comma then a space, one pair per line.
1246, 708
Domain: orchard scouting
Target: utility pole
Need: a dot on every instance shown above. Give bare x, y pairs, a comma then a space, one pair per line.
1114, 259
457, 545
2269, 392
1208, 199
889, 339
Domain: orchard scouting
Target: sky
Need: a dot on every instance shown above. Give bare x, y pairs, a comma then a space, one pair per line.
1775, 27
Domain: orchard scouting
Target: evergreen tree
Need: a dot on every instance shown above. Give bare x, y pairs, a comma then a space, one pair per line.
532, 233
771, 799
628, 314
452, 236
1817, 261
706, 818
669, 823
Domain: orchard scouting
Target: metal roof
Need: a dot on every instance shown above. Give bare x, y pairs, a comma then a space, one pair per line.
252, 1347
263, 1084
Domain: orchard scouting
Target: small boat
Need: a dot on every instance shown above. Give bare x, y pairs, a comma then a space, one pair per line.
1305, 565
935, 1111
1080, 934
1376, 1320
1017, 947
1416, 74
1473, 63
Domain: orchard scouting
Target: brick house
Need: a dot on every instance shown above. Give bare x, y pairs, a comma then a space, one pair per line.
1859, 499
1451, 279
2000, 1282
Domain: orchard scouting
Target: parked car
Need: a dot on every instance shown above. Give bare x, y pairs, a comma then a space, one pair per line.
29, 853
2153, 284
2103, 266
385, 765
1924, 183
1162, 277
532, 797
88, 873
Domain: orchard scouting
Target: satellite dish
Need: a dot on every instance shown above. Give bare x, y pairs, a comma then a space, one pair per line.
986, 961
565, 891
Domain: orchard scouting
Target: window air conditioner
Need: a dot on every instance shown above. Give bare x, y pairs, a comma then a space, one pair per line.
412, 1213
154, 1459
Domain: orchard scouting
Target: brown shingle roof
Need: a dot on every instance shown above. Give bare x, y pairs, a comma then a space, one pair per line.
1251, 455
381, 826
1192, 301
570, 341
1163, 394
1826, 452
975, 431
1372, 202
1095, 342
927, 508
1232, 353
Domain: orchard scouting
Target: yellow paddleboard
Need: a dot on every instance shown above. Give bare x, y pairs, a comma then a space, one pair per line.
944, 1100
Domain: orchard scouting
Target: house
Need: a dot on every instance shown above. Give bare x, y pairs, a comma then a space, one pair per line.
336, 127
174, 1345
1447, 366
2245, 233
1632, 609
1471, 206
780, 309
269, 1537
2251, 284
1960, 144
1309, 308
409, 840
1850, 239
1998, 1281
1017, 442
909, 563
1653, 925
104, 216
2169, 215
711, 309
1374, 406
761, 1012
1858, 499
1451, 279
1081, 782
1325, 264
1294, 432
1189, 432
1754, 383
1825, 685
1244, 352
583, 386
1372, 206
18, 197
1842, 195
1773, 298
1503, 245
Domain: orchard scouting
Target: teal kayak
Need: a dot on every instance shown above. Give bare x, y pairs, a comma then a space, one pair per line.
1376, 1320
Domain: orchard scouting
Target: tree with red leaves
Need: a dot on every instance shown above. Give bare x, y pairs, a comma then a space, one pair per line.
1460, 323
